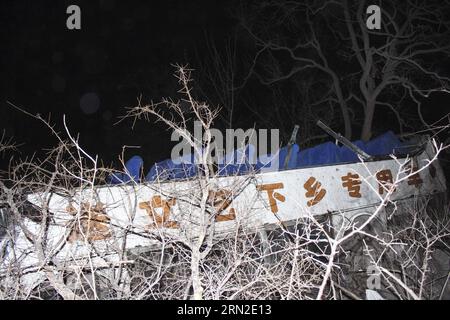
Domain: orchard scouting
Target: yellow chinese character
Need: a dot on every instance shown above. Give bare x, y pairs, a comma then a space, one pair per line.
93, 222
313, 190
221, 200
159, 220
273, 196
385, 180
414, 178
353, 184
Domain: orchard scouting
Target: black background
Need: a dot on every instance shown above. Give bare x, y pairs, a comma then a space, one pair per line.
124, 50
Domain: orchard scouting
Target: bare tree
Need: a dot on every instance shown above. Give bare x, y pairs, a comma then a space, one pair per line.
365, 70
219, 77
313, 257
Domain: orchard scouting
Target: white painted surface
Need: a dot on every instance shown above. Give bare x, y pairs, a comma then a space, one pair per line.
251, 206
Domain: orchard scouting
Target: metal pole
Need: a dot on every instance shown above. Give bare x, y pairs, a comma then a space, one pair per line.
343, 140
290, 143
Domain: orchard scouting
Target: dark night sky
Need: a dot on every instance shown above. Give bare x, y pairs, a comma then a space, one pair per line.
124, 49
